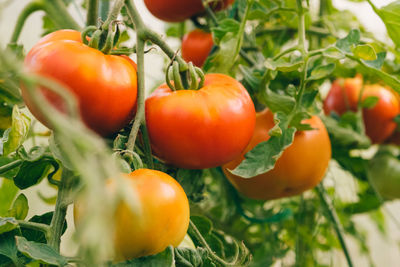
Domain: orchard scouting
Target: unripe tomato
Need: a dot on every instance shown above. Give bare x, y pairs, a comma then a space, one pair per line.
179, 10
105, 85
378, 120
301, 167
163, 219
198, 129
343, 95
196, 46
384, 172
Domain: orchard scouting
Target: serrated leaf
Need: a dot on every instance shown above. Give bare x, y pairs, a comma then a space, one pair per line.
283, 65
321, 72
351, 40
370, 102
279, 103
193, 183
7, 224
365, 52
378, 62
41, 252
20, 208
18, 133
187, 257
263, 157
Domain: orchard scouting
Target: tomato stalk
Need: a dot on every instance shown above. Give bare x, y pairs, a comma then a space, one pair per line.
41, 227
334, 219
10, 166
93, 12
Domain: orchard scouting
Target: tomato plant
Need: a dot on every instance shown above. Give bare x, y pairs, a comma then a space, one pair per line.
233, 142
196, 46
307, 167
98, 80
162, 202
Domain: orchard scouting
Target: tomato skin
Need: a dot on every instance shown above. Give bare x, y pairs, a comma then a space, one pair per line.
163, 219
196, 46
105, 86
301, 166
343, 95
198, 129
378, 120
180, 10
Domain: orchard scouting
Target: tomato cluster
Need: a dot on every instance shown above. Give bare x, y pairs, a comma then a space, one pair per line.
346, 94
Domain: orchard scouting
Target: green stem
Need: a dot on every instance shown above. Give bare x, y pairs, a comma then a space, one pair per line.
116, 9
285, 52
41, 227
333, 218
312, 30
10, 166
104, 8
299, 249
93, 12
376, 10
58, 12
25, 13
60, 212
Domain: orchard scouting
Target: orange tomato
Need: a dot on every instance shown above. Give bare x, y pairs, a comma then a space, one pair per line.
198, 129
301, 166
162, 221
196, 46
105, 86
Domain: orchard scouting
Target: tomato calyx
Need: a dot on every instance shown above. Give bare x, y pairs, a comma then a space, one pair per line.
102, 38
191, 79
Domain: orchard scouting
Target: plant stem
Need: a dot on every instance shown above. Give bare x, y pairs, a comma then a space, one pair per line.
10, 166
31, 8
92, 13
58, 12
333, 218
116, 9
57, 222
104, 8
41, 227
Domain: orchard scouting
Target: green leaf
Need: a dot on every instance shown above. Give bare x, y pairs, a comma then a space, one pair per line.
203, 224
366, 52
263, 157
378, 62
9, 249
279, 103
223, 60
18, 133
225, 26
351, 40
193, 183
8, 191
165, 258
57, 154
390, 15
7, 224
20, 208
321, 71
41, 252
284, 65
31, 173
187, 257
370, 102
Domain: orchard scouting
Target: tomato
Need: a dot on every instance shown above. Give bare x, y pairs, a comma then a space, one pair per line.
379, 120
301, 167
394, 139
343, 95
384, 172
196, 46
198, 129
163, 219
179, 10
105, 85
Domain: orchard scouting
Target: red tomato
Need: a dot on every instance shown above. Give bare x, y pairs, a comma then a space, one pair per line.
196, 46
198, 129
105, 86
162, 221
179, 10
343, 95
301, 166
378, 120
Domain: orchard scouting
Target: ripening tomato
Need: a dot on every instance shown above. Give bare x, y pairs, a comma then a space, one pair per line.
301, 167
379, 120
196, 46
199, 129
105, 85
179, 10
163, 219
343, 95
